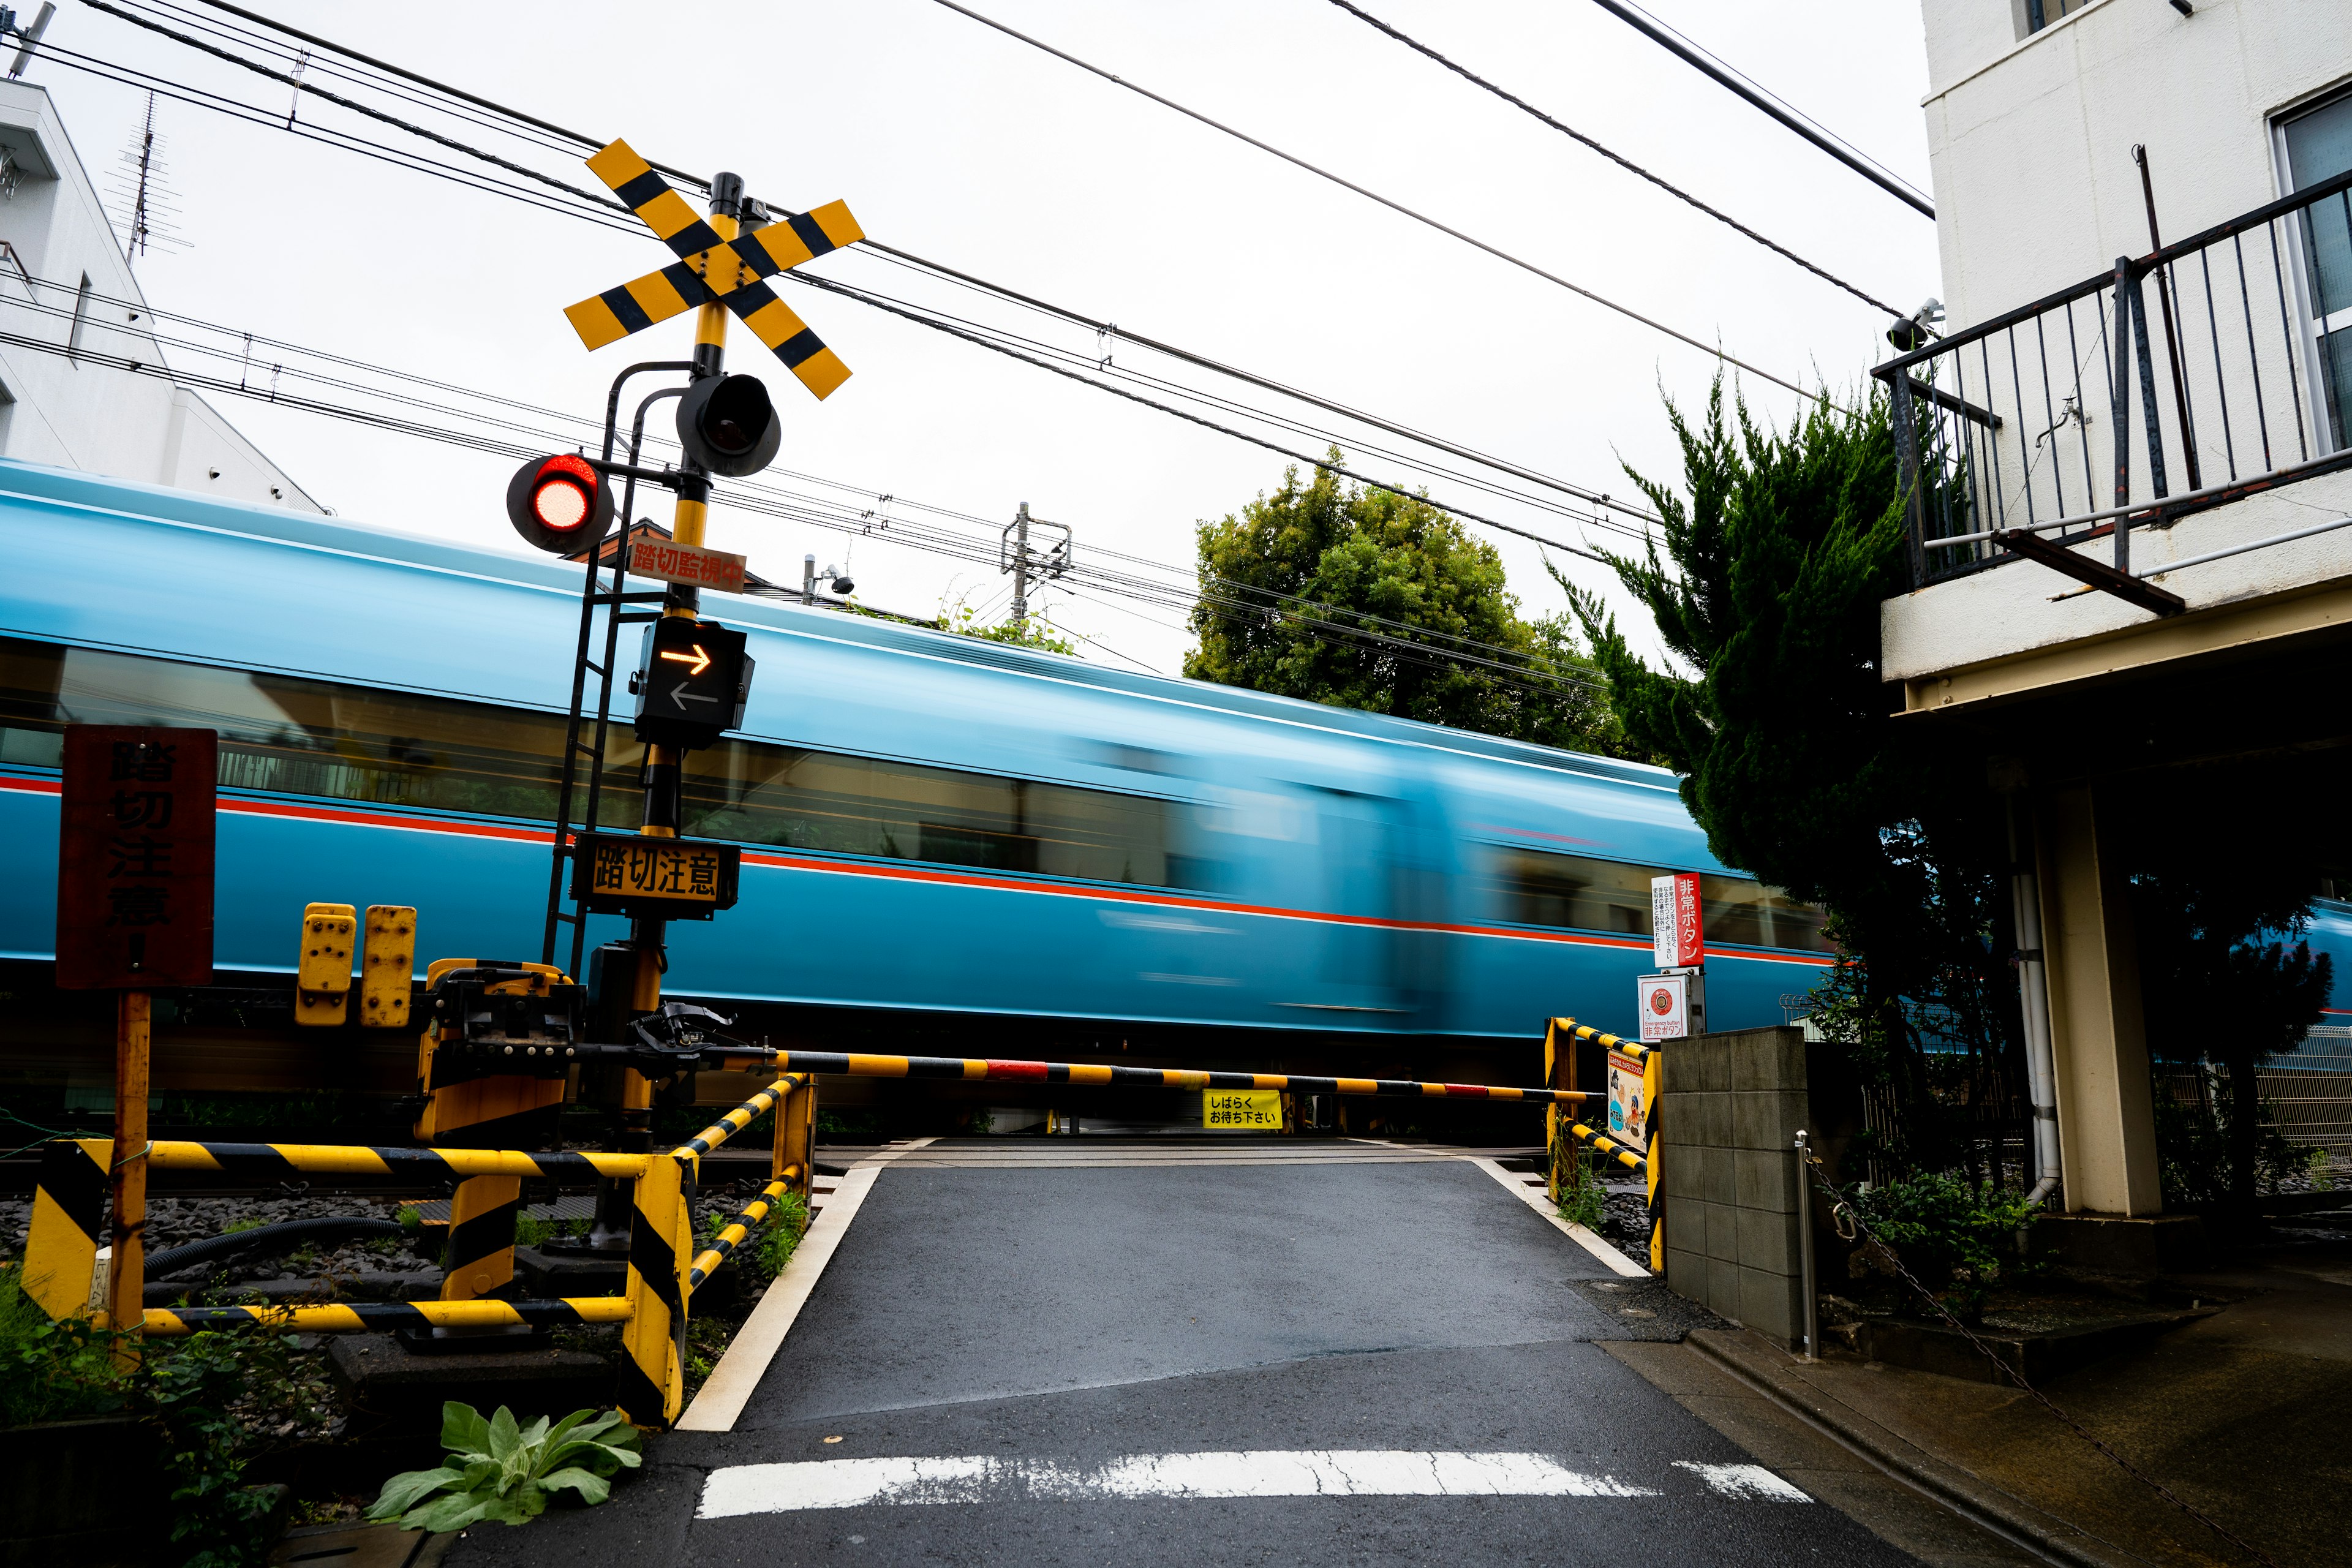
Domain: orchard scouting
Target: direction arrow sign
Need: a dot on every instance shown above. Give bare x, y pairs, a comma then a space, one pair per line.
692, 683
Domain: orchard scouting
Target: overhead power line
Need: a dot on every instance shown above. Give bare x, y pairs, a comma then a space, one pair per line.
1713, 351
1207, 596
591, 207
1466, 74
1673, 43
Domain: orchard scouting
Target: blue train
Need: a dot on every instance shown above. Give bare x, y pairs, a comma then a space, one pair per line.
934, 828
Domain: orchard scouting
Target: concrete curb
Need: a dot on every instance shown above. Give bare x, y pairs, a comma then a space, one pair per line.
1767, 1370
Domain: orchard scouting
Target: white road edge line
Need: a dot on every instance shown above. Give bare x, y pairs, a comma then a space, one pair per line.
728, 1389
734, 1490
1537, 1199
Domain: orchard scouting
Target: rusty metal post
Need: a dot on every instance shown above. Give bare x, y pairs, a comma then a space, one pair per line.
126, 1273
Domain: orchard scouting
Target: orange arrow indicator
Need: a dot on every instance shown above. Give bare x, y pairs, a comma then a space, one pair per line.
699, 659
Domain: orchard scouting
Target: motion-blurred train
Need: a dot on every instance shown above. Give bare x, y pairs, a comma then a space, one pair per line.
935, 829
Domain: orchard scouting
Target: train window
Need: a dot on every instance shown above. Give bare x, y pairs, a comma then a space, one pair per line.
1732, 909
288, 735
908, 811
1539, 887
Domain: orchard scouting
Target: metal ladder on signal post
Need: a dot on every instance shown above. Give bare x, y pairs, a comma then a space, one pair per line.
594, 594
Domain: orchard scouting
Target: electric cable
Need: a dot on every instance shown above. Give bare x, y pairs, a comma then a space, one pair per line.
1466, 74
608, 213
789, 509
1837, 147
1113, 330
590, 143
832, 286
1715, 352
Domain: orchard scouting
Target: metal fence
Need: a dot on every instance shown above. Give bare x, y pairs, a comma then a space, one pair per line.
2228, 348
2308, 1091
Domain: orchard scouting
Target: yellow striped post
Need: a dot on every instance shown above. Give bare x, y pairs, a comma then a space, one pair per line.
68, 1208
652, 1382
478, 1256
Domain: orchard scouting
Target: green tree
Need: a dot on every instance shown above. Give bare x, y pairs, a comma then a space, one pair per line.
1359, 598
1774, 554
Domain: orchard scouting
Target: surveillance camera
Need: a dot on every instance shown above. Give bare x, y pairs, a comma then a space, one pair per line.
843, 585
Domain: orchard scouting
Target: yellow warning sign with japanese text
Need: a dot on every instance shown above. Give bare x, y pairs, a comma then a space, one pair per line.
1242, 1110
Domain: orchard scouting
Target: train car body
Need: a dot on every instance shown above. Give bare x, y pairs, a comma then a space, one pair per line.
932, 825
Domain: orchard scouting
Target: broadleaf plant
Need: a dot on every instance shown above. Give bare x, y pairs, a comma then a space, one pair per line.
499, 1470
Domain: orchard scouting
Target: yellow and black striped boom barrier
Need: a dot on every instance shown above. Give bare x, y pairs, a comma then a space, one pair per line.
834, 1064
712, 269
380, 1317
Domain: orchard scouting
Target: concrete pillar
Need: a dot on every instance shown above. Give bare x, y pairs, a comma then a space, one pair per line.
2106, 1118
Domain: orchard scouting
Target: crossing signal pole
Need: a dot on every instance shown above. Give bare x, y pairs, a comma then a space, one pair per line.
693, 674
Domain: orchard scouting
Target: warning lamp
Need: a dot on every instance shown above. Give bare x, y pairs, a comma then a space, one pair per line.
728, 426
560, 504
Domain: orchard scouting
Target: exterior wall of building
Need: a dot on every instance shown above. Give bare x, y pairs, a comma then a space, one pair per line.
2030, 139
77, 414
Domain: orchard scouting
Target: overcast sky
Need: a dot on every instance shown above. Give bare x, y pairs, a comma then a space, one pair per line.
964, 146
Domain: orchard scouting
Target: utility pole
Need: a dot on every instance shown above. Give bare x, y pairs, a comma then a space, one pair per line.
1015, 555
1021, 566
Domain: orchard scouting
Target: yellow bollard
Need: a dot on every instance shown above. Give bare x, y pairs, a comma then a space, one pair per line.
387, 964
322, 976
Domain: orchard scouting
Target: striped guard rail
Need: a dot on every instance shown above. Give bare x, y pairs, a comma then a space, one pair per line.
370, 1159
376, 1317
742, 1116
824, 1063
1609, 1146
1614, 1042
755, 1213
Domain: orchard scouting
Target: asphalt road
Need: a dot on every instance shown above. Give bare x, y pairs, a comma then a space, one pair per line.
1324, 1363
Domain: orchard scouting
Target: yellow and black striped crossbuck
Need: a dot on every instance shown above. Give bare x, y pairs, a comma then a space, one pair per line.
712, 267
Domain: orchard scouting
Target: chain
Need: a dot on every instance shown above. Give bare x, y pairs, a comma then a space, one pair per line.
1846, 1214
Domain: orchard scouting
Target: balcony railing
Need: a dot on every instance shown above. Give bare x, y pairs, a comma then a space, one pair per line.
2017, 435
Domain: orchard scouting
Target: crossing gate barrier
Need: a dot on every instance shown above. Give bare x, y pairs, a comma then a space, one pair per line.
1561, 1035
663, 1269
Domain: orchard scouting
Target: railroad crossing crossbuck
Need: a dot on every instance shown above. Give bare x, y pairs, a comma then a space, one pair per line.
713, 270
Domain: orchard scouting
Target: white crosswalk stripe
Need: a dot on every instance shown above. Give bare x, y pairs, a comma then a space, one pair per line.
738, 1490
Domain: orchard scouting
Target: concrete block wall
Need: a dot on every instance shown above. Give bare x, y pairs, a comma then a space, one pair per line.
1731, 1107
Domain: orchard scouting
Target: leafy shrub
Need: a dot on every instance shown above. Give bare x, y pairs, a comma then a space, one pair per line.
2197, 1150
1581, 1195
1956, 1239
498, 1470
52, 1371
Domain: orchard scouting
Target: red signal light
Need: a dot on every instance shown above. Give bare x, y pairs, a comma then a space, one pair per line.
560, 504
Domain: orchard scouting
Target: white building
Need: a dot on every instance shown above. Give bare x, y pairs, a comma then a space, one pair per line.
64, 284
2123, 563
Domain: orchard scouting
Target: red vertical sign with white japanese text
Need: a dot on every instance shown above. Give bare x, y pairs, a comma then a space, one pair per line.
1675, 938
135, 857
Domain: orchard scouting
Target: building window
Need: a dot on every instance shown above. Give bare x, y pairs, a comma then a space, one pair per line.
2316, 144
81, 317
2039, 14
